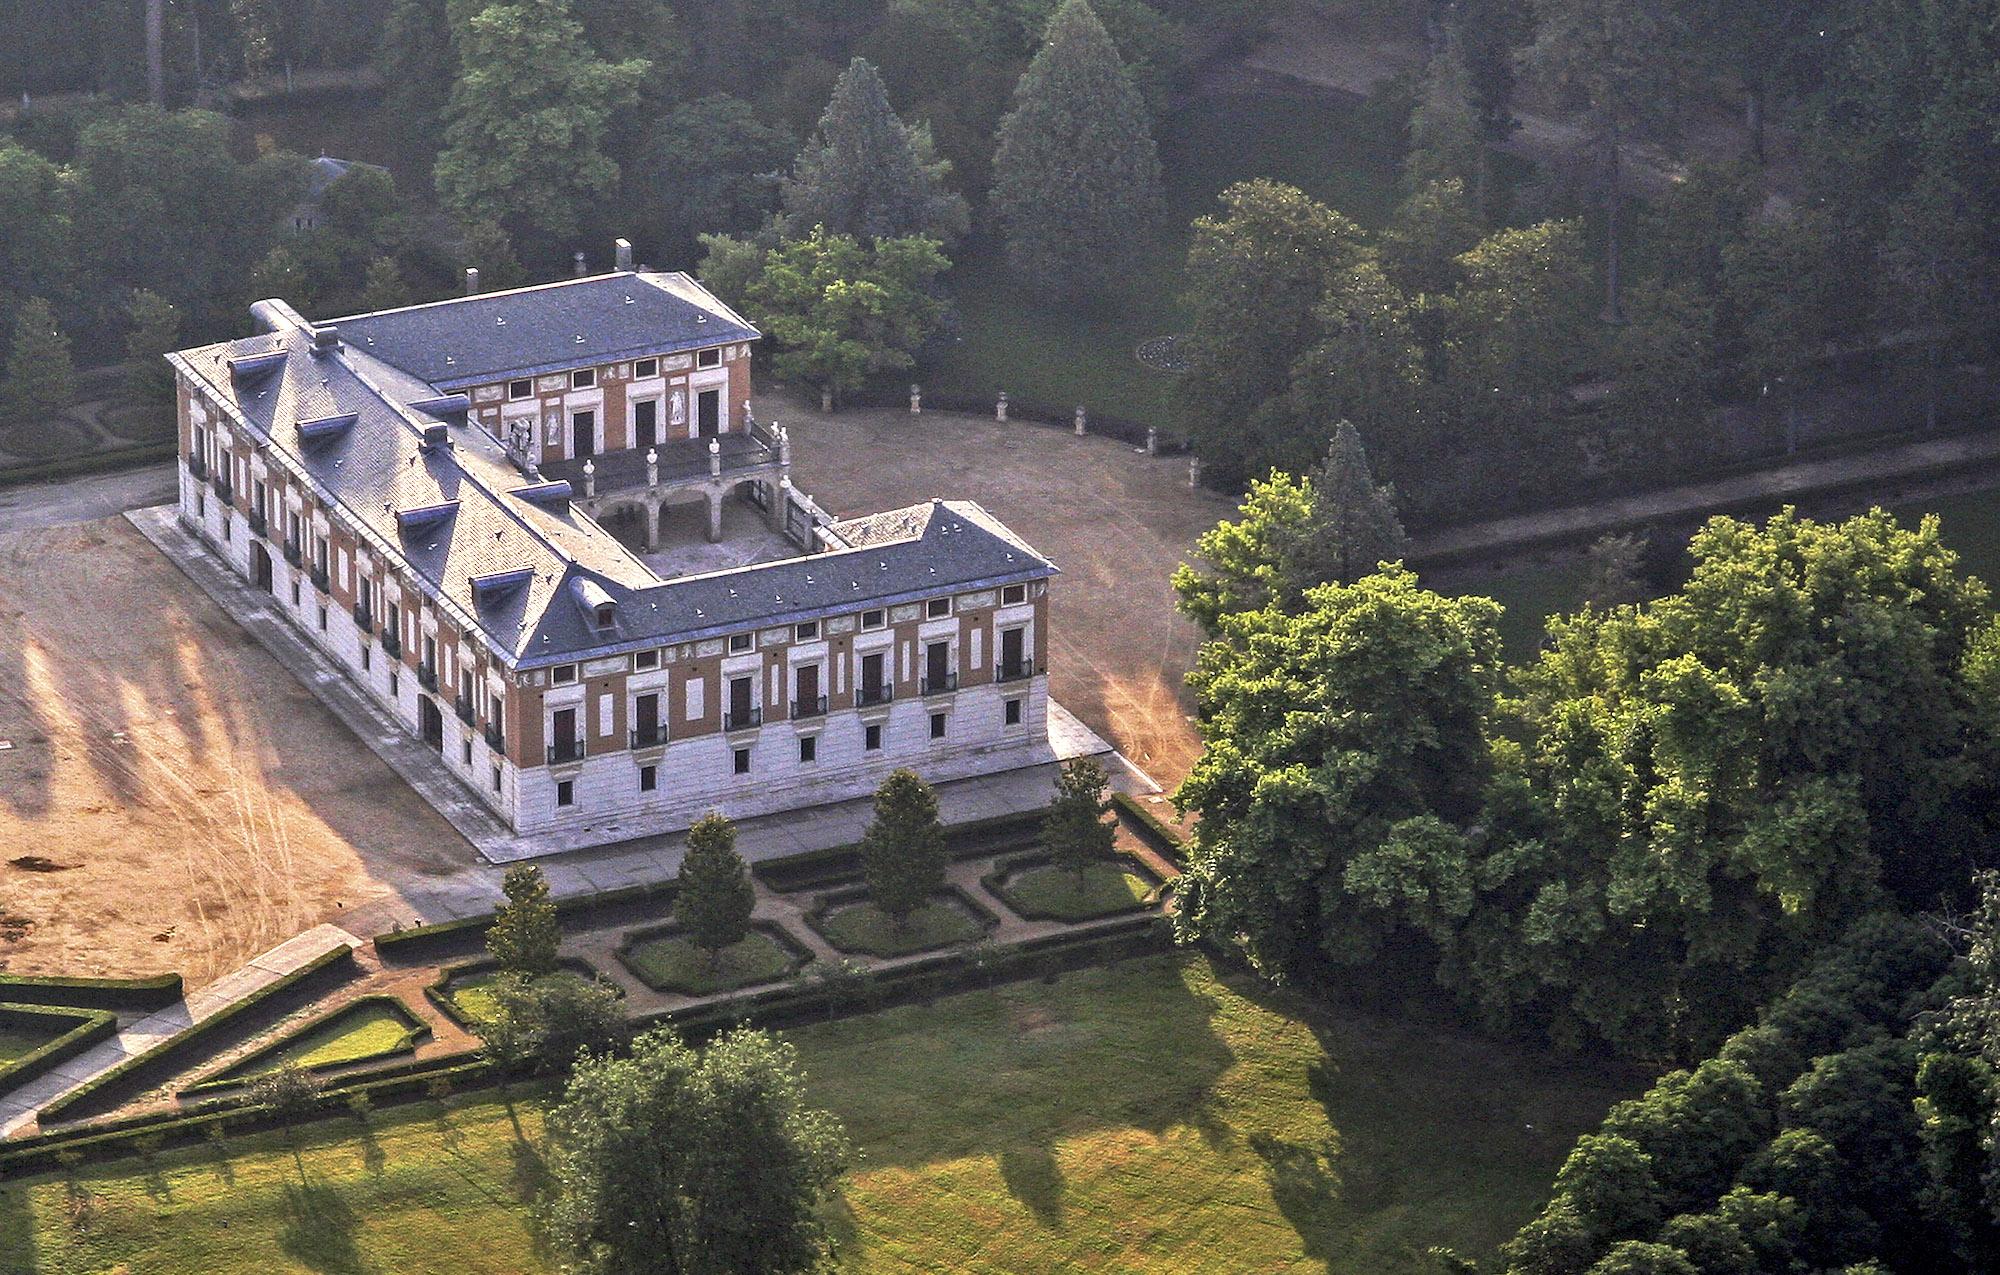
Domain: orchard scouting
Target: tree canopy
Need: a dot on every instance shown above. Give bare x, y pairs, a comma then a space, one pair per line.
867, 174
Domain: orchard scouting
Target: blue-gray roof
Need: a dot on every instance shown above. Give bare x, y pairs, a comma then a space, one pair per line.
493, 336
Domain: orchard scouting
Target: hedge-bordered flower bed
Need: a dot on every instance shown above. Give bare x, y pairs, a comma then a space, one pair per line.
1003, 882
465, 936
248, 1068
75, 1029
439, 992
1155, 831
981, 922
792, 958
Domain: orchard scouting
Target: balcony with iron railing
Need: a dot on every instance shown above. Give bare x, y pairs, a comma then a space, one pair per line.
256, 520
293, 555
940, 685
220, 481
319, 577
746, 719
197, 467
1014, 672
870, 696
649, 737
427, 677
362, 619
464, 709
496, 739
809, 707
565, 750
392, 646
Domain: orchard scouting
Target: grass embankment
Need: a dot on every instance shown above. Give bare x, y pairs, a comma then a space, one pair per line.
864, 929
672, 963
1148, 1116
1048, 891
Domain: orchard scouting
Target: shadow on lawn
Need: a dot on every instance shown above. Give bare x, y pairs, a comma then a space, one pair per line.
1035, 1179
20, 1254
319, 1229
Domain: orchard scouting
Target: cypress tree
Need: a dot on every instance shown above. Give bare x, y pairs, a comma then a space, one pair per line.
716, 896
525, 933
902, 853
40, 375
382, 288
1074, 830
867, 174
1076, 176
156, 329
1352, 525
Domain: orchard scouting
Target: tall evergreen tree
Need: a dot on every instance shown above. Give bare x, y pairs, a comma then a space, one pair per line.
156, 329
418, 67
1076, 177
902, 853
867, 174
527, 117
524, 933
1446, 141
716, 897
41, 379
382, 288
1073, 830
1351, 526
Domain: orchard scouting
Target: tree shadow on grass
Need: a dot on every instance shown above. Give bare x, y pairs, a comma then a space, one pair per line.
1035, 1179
319, 1230
1306, 1186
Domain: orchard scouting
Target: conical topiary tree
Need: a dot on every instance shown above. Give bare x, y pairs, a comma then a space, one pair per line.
1076, 177
867, 174
525, 932
1073, 830
902, 853
716, 897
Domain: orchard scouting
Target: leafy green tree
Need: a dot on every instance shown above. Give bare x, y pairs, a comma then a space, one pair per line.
716, 897
382, 287
155, 330
290, 1092
1609, 1181
1076, 177
1447, 142
840, 311
527, 117
1712, 1242
1274, 254
41, 379
868, 175
1639, 1257
1421, 246
1074, 830
37, 228
710, 166
1614, 60
1789, 285
1244, 566
418, 67
1956, 1104
671, 1161
1661, 362
1613, 574
1931, 293
545, 1021
1328, 732
525, 933
903, 851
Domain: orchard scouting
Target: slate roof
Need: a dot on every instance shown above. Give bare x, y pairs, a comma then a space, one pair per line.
493, 336
520, 571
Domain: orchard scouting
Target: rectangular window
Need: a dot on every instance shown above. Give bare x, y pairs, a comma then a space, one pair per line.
649, 778
805, 632
937, 725
367, 657
937, 608
227, 533
583, 378
465, 748
295, 590
742, 761
1013, 712
740, 642
871, 739
562, 674
645, 368
808, 748
871, 619
566, 792
523, 388
496, 779
708, 358
1013, 593
322, 619
644, 660
394, 683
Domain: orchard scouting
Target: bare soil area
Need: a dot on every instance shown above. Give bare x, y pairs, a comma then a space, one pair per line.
1116, 522
171, 798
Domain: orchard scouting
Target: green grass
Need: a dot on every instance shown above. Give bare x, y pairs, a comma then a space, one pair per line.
473, 995
865, 929
1062, 352
366, 1029
672, 963
17, 1042
1146, 1117
1047, 891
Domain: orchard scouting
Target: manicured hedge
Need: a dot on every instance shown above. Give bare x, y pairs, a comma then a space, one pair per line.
1153, 830
835, 900
85, 1028
133, 1074
840, 865
238, 1073
466, 935
121, 994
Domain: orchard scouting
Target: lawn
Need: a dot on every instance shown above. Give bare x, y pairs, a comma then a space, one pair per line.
1149, 1116
1061, 352
1049, 892
17, 1042
672, 963
863, 928
369, 1028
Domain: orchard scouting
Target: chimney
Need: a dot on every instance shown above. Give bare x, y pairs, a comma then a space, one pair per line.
622, 250
579, 263
471, 280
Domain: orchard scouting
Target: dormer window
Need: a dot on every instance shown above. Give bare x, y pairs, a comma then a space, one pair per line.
520, 389
606, 614
708, 358
645, 368
583, 378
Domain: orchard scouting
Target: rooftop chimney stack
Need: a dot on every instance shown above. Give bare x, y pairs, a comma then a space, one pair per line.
471, 281
622, 250
579, 263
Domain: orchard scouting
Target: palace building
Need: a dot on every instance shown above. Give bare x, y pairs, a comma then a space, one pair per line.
543, 529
